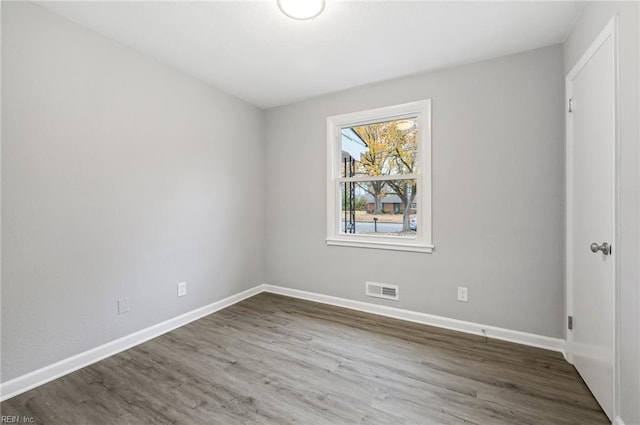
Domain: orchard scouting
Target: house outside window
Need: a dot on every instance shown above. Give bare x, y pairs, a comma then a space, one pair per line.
379, 178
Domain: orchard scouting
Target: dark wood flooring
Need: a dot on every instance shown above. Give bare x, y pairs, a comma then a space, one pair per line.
277, 360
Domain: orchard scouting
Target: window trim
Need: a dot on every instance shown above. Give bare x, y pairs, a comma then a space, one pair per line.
423, 240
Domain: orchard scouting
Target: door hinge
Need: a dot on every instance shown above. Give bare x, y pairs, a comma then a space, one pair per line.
570, 322
570, 105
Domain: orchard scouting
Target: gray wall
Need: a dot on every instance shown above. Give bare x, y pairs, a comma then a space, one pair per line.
592, 20
498, 196
120, 177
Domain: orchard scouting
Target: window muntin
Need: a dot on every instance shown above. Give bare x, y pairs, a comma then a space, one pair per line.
379, 188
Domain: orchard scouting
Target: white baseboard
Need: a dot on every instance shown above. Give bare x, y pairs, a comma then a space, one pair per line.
46, 374
533, 340
618, 421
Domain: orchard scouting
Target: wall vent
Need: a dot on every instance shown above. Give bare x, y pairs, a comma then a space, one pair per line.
382, 290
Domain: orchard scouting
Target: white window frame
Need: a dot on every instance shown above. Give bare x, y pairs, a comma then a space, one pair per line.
421, 110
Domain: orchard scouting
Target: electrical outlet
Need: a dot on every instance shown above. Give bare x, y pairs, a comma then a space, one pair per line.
123, 305
182, 289
463, 294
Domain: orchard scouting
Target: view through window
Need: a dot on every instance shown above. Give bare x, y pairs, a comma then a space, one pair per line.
379, 190
379, 178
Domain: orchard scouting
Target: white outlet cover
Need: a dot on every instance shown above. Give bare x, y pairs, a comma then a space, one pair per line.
123, 305
463, 294
182, 289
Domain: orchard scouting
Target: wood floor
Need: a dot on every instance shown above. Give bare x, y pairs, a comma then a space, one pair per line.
277, 360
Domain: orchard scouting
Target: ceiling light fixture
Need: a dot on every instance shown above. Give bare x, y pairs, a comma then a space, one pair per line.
301, 9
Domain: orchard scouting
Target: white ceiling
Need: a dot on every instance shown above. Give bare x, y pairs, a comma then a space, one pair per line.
251, 50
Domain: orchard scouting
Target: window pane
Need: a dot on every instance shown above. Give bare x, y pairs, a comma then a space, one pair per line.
380, 149
385, 208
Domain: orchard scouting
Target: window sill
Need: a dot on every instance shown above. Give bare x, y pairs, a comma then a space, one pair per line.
393, 246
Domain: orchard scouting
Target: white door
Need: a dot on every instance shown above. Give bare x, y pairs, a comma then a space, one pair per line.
591, 221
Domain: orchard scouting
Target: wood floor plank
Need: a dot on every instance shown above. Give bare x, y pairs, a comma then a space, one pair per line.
274, 360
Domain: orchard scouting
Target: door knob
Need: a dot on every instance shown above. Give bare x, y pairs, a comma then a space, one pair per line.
605, 248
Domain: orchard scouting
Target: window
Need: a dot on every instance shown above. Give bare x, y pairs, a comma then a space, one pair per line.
379, 178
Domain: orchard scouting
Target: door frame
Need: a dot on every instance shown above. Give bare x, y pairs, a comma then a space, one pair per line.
609, 31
